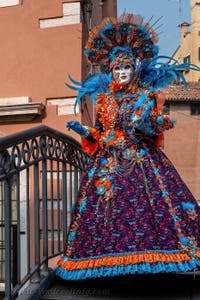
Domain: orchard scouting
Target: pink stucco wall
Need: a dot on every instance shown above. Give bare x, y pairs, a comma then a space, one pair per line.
35, 62
182, 146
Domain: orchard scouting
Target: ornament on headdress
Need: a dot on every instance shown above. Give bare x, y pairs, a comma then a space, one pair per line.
126, 38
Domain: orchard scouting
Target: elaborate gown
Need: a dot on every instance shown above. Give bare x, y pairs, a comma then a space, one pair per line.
134, 214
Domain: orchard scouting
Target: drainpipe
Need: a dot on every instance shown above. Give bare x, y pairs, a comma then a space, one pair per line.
101, 3
87, 11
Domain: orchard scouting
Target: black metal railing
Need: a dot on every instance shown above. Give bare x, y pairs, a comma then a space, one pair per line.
40, 172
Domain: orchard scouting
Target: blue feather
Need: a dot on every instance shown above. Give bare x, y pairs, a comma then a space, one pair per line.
174, 74
74, 81
72, 87
94, 84
159, 74
140, 101
183, 78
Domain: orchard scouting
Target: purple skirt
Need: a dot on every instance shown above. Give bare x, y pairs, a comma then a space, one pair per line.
133, 214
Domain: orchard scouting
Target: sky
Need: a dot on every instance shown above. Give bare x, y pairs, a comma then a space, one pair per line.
173, 13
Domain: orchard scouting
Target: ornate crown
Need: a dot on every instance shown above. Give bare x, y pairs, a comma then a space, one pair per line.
126, 38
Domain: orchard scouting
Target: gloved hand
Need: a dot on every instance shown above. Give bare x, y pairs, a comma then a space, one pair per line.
78, 128
160, 120
164, 123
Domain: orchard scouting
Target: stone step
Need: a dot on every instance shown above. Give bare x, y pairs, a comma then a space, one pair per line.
184, 286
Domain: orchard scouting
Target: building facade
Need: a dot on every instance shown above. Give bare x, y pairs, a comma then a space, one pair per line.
189, 49
41, 43
182, 144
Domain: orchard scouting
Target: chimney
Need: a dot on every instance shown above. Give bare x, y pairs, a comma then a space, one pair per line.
184, 29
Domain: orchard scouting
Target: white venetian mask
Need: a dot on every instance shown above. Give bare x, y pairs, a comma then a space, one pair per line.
123, 73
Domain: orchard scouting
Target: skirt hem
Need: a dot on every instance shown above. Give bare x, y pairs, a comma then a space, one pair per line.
78, 270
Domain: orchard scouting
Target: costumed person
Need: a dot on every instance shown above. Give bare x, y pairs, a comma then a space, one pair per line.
133, 214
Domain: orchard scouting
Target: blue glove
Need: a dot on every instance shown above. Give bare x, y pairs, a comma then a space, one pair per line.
77, 127
160, 120
80, 129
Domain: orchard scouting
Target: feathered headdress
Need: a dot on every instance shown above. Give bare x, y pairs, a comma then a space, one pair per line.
130, 40
127, 37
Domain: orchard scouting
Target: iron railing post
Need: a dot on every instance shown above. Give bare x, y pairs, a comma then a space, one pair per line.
64, 202
28, 219
7, 210
44, 212
36, 223
14, 256
18, 227
58, 206
52, 206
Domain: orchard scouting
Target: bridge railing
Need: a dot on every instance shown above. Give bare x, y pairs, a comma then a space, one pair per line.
40, 172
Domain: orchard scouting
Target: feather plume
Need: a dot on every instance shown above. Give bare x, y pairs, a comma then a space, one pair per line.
159, 74
94, 84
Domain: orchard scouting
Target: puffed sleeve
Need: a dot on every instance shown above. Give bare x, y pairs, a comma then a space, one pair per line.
159, 121
149, 119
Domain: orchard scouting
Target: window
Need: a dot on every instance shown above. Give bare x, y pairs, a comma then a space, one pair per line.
195, 109
186, 59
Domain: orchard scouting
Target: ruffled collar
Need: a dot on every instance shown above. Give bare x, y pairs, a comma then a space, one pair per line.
116, 87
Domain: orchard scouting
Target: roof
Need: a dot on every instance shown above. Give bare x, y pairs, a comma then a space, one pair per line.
178, 93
